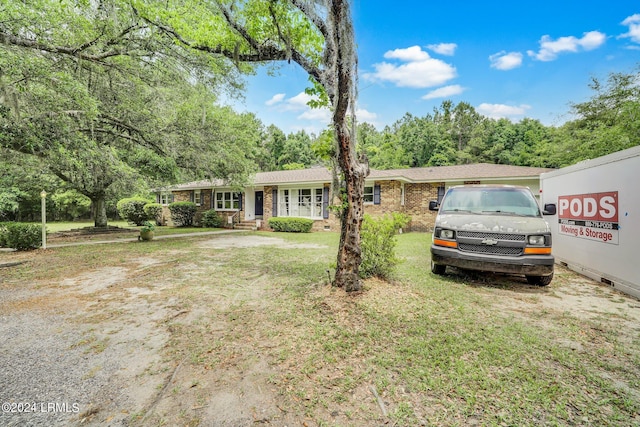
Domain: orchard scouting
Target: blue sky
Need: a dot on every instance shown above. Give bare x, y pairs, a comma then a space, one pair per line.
507, 59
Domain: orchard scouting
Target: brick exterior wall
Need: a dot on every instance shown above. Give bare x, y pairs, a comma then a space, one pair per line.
267, 206
416, 205
390, 199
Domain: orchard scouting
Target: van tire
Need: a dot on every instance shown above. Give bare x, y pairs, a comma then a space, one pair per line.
438, 269
540, 280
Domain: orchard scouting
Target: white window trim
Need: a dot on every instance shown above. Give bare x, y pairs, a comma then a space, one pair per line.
166, 195
233, 198
197, 197
373, 192
290, 210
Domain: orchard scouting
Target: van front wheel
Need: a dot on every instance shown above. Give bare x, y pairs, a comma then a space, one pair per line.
438, 269
540, 280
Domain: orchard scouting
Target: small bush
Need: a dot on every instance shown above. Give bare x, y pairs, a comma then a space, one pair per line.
211, 219
153, 212
147, 226
21, 236
291, 225
378, 243
132, 210
3, 234
182, 213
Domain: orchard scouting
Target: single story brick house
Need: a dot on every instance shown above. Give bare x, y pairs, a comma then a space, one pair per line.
305, 193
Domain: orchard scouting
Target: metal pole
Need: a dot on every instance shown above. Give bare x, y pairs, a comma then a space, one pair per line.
43, 196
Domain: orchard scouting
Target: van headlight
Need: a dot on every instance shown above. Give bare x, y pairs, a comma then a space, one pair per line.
536, 240
448, 234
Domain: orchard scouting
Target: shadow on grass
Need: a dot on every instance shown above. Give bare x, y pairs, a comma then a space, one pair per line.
508, 282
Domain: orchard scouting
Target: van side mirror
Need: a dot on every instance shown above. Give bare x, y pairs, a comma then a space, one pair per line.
549, 209
434, 205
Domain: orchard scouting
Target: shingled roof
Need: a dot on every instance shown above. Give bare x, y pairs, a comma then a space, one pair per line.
476, 171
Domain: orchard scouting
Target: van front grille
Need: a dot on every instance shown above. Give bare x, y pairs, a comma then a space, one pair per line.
492, 250
496, 236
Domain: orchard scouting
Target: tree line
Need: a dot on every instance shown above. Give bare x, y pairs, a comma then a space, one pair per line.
457, 134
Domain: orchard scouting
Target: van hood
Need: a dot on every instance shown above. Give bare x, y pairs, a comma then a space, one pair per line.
492, 223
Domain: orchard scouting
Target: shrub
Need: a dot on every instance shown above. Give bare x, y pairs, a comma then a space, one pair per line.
132, 210
291, 225
3, 234
147, 226
211, 219
378, 243
21, 236
153, 211
182, 213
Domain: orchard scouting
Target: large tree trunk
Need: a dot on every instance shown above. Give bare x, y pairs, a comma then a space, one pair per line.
100, 209
349, 252
343, 64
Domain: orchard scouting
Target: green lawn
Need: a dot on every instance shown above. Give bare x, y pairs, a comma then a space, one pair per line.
455, 350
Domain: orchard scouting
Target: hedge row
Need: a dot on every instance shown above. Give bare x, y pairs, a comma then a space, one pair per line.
21, 236
291, 225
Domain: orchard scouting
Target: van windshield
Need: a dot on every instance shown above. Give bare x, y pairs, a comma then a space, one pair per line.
490, 201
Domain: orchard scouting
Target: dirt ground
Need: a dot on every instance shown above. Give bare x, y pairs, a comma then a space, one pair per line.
104, 345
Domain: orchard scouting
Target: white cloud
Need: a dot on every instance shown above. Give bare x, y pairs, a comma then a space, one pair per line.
443, 48
498, 111
364, 116
298, 102
633, 22
592, 40
410, 54
275, 99
444, 92
549, 48
322, 116
419, 70
506, 61
316, 114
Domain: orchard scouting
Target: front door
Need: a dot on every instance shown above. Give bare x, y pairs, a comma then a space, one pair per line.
259, 204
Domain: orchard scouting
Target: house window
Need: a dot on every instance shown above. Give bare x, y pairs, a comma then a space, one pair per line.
197, 197
302, 202
368, 194
227, 201
166, 198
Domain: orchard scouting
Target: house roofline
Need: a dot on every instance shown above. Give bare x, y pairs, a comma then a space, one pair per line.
261, 179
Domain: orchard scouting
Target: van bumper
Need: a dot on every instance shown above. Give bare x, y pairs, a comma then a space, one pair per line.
529, 265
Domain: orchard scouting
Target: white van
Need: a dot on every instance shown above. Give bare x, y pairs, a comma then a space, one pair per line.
495, 228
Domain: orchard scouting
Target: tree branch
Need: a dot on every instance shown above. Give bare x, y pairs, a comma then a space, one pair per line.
267, 51
312, 15
77, 52
259, 52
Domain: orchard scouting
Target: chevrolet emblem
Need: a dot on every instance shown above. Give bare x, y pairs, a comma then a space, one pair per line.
489, 242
